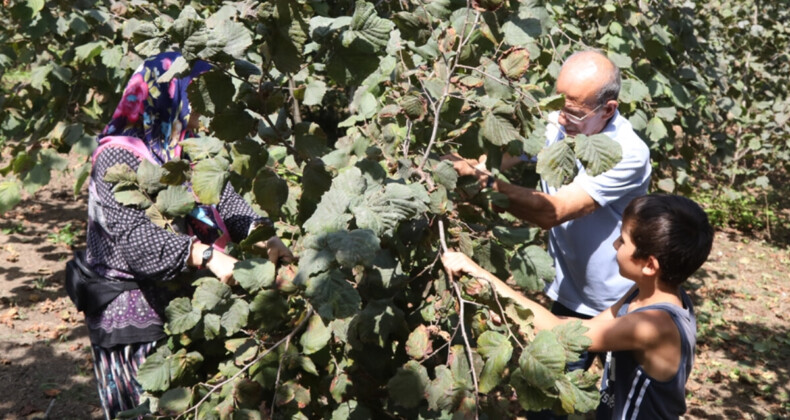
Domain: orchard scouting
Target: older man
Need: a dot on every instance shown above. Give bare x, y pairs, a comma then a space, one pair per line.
584, 216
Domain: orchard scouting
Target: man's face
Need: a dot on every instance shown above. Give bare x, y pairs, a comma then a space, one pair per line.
578, 117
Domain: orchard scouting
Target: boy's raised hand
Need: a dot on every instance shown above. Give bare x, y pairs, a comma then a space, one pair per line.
457, 263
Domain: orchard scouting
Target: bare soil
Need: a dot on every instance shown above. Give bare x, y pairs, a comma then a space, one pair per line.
742, 297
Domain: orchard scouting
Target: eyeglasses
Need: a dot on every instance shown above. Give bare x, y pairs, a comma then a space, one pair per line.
578, 120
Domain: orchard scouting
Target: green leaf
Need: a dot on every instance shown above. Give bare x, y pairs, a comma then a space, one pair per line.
552, 103
656, 130
314, 93
582, 385
332, 296
440, 392
270, 308
529, 397
512, 237
498, 130
175, 400
351, 410
543, 361
181, 316
270, 192
598, 153
368, 33
209, 94
419, 343
514, 63
210, 292
445, 175
633, 90
340, 387
254, 274
330, 214
414, 106
407, 387
87, 52
377, 321
383, 210
230, 37
154, 373
122, 173
497, 351
133, 198
208, 179
316, 336
310, 140
557, 164
175, 201
211, 326
571, 336
532, 266
235, 318
10, 194
358, 247
620, 60
233, 122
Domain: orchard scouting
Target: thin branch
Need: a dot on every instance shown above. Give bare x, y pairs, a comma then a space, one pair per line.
437, 108
277, 380
501, 310
294, 102
466, 344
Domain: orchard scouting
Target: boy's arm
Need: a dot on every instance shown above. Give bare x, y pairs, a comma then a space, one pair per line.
458, 263
634, 331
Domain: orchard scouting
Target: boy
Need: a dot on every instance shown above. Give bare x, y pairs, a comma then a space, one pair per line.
650, 332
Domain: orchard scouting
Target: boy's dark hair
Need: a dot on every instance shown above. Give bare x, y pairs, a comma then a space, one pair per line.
673, 229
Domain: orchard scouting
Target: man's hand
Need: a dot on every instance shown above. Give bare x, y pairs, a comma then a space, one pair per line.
276, 249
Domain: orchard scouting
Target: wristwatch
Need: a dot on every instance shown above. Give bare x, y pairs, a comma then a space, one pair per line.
207, 254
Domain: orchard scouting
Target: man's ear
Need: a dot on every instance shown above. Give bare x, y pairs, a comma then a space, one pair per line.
651, 266
609, 108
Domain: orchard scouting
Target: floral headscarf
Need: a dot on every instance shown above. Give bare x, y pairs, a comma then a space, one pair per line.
154, 112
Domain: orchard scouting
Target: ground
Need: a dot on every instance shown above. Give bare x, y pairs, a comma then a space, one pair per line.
742, 366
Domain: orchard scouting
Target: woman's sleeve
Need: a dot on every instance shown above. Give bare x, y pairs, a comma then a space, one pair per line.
236, 213
149, 251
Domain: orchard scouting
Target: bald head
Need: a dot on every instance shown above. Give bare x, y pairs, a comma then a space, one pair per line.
593, 78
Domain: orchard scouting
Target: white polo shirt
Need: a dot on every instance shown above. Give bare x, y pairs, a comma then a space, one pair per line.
587, 277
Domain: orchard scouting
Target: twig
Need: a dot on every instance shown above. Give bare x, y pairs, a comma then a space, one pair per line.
437, 106
501, 310
295, 103
441, 236
277, 380
466, 343
285, 339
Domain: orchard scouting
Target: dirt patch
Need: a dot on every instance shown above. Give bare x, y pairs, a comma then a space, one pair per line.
742, 367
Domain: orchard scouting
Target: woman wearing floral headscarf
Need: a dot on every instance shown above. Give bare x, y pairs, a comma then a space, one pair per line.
123, 244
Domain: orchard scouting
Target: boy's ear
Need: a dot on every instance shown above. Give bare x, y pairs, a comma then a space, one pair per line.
651, 266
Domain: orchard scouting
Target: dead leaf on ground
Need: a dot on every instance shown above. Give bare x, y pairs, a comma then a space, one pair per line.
8, 316
52, 392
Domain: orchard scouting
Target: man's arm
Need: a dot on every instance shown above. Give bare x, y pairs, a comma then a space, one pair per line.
544, 210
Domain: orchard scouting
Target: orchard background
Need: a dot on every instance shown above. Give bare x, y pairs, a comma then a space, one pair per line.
330, 117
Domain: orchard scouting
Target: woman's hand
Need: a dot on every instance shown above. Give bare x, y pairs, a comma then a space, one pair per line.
222, 266
457, 264
276, 250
